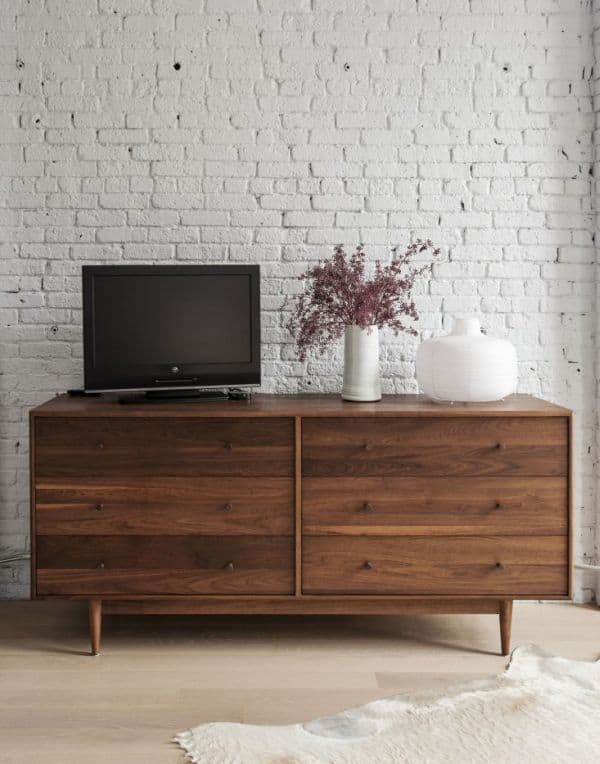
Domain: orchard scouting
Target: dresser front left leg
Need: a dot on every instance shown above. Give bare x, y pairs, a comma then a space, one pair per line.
95, 615
506, 608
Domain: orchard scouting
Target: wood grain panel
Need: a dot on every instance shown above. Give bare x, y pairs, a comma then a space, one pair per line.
32, 512
504, 566
168, 581
166, 506
435, 447
156, 565
435, 506
298, 505
304, 405
155, 551
164, 447
317, 605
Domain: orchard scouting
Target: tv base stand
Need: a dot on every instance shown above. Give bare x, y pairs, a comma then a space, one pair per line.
301, 505
175, 396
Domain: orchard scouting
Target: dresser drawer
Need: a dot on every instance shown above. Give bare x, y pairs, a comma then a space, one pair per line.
379, 506
435, 446
504, 566
165, 506
98, 565
93, 447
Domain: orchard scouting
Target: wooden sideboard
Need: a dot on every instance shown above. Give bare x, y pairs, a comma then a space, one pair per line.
301, 504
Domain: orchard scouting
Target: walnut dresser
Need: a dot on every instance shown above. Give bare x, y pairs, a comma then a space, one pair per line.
301, 504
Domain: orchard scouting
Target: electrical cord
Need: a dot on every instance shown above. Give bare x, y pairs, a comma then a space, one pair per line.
15, 558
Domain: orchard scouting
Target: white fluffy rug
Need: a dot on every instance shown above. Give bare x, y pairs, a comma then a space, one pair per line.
541, 710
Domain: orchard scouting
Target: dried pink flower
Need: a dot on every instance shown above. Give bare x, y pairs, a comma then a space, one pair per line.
338, 294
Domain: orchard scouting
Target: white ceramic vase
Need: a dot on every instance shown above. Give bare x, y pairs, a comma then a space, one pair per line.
466, 365
361, 364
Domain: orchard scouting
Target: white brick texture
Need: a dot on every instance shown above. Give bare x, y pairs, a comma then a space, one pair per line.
208, 131
595, 236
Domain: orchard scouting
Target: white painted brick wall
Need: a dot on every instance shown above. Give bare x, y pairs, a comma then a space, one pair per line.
268, 130
593, 578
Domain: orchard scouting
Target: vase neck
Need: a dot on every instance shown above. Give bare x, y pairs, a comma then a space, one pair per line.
356, 328
466, 327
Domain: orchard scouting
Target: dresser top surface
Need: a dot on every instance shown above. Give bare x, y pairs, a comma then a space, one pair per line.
307, 405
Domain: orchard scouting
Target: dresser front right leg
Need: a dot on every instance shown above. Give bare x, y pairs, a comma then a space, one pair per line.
95, 616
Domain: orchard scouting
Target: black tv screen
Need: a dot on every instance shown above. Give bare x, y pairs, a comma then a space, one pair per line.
174, 326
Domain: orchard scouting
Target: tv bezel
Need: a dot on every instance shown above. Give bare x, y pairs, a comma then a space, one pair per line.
193, 376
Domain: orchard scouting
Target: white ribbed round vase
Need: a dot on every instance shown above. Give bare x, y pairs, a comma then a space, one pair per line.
361, 364
467, 366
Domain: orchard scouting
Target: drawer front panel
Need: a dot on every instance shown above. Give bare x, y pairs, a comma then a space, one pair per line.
504, 566
166, 506
439, 446
169, 447
175, 565
380, 506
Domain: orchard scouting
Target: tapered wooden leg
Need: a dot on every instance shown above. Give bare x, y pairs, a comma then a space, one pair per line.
506, 608
95, 612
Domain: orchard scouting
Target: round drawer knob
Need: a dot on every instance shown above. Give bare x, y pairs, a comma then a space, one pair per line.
499, 566
367, 507
230, 565
498, 505
100, 445
99, 507
500, 446
367, 565
366, 446
228, 446
227, 507
100, 565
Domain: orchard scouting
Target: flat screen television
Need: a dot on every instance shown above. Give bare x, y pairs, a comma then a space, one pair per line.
173, 327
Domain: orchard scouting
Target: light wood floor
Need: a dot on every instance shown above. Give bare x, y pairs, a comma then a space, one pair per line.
159, 675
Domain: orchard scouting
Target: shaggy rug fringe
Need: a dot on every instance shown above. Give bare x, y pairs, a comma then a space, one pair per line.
541, 710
